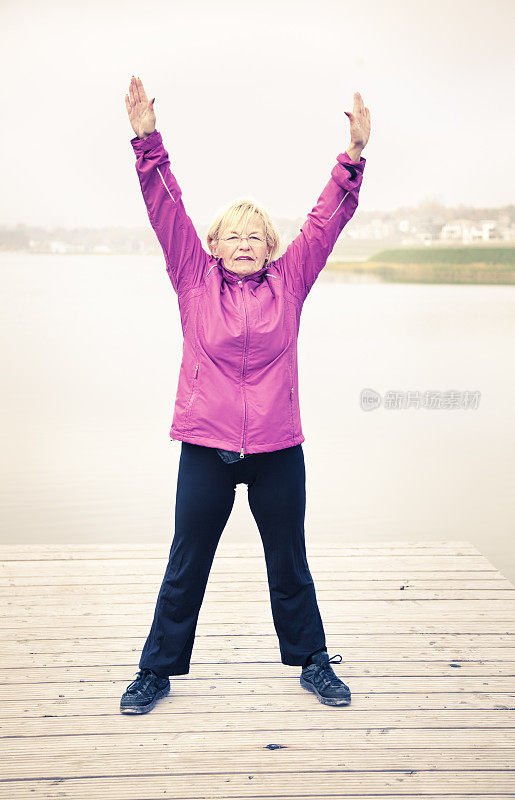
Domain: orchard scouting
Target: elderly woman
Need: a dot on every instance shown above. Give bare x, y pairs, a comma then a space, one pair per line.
237, 410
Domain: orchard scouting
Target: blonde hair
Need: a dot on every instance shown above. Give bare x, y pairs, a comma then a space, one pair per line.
244, 210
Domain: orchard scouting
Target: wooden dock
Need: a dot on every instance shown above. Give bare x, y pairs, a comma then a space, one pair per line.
425, 630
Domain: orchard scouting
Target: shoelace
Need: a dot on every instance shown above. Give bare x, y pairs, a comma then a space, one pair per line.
139, 675
325, 673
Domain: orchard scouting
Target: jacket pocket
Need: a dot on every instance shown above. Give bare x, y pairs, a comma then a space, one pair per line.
194, 390
292, 395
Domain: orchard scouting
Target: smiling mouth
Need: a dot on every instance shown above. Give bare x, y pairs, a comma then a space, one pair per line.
244, 258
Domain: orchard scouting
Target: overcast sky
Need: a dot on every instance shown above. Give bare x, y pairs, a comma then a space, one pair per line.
250, 100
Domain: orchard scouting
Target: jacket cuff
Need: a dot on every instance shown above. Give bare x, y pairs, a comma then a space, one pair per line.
344, 158
348, 173
144, 145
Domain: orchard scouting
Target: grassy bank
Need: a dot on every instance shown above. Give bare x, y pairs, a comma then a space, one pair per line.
481, 265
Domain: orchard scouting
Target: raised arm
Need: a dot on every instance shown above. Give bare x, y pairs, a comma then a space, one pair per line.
186, 260
307, 254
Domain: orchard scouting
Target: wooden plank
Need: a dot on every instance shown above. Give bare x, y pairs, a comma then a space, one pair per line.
156, 549
19, 605
148, 590
370, 740
259, 670
331, 610
428, 579
314, 541
232, 703
318, 717
449, 684
229, 565
152, 762
75, 656
368, 651
253, 783
248, 596
205, 627
338, 796
146, 554
229, 644
253, 549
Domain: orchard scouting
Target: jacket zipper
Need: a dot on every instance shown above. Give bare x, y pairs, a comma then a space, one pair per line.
243, 374
292, 390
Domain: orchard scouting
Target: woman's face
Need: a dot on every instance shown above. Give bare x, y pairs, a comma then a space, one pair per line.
243, 255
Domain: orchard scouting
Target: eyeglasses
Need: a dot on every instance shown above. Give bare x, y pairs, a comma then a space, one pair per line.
255, 240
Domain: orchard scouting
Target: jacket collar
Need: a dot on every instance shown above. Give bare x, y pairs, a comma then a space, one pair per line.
233, 277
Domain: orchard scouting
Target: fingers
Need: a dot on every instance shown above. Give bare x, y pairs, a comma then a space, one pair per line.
142, 94
358, 103
135, 86
134, 91
359, 107
137, 93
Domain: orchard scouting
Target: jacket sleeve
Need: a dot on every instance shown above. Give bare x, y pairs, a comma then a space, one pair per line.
307, 254
185, 257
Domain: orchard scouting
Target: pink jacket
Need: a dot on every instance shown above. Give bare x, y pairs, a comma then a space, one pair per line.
238, 380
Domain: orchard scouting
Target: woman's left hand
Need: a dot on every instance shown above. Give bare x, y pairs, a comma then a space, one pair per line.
359, 120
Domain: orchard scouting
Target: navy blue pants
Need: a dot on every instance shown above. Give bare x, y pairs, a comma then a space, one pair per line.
206, 488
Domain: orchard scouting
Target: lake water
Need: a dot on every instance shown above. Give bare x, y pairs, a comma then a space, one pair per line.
90, 361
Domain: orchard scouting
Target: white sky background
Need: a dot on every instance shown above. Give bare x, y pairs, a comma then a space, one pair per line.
250, 100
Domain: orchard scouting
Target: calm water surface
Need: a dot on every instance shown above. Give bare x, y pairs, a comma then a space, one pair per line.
90, 361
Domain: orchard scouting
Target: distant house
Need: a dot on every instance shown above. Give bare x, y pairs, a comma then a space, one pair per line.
419, 232
469, 230
428, 232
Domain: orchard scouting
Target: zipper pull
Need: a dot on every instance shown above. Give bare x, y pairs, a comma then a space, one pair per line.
291, 393
241, 454
196, 370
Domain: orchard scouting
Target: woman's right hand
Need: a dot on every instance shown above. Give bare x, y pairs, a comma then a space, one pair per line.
140, 110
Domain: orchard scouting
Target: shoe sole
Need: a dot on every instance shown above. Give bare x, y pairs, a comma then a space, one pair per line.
327, 701
140, 709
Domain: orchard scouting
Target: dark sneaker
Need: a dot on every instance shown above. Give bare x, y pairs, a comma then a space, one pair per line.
318, 677
143, 693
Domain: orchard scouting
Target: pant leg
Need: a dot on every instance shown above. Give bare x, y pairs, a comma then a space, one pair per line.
277, 499
204, 500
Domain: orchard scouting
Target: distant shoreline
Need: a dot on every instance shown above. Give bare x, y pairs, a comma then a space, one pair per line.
460, 265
